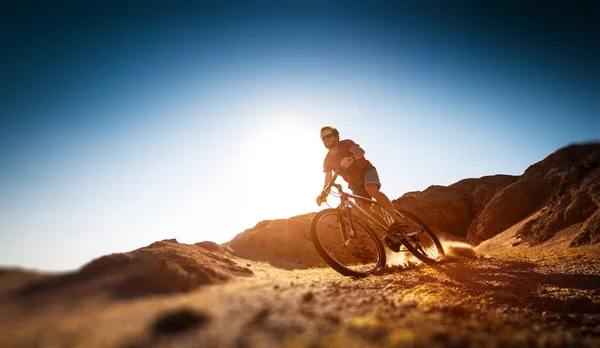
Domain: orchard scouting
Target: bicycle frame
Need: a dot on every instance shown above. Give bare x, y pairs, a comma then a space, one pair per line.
346, 206
346, 202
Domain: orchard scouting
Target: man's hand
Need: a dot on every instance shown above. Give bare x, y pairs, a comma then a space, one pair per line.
322, 198
347, 161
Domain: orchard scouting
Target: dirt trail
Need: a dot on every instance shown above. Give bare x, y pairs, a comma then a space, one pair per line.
542, 298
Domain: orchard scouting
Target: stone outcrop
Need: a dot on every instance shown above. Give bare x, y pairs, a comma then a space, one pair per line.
572, 194
452, 209
565, 187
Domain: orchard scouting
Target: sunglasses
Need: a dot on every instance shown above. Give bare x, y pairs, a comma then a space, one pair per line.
327, 136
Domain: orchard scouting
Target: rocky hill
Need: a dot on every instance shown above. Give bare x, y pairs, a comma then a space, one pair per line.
565, 187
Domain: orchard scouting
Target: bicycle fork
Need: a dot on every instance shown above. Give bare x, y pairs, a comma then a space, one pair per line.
345, 210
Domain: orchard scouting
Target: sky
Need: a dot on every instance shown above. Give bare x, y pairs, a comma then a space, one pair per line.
124, 123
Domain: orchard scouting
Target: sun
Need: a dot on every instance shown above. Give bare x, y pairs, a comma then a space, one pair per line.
283, 166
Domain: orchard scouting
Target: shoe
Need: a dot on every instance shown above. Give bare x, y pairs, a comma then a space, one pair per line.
394, 246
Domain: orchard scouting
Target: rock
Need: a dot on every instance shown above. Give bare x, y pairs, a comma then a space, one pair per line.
178, 321
307, 297
589, 233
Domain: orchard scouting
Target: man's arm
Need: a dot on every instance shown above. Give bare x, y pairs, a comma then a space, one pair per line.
357, 151
328, 177
323, 198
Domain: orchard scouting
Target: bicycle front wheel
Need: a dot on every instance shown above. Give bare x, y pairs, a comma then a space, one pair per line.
351, 249
420, 240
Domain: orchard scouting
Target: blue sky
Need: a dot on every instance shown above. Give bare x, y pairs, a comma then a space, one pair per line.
128, 123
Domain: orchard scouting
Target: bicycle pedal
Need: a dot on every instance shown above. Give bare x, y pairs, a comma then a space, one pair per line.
394, 246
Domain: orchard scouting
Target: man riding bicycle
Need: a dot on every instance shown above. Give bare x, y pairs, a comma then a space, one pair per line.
361, 176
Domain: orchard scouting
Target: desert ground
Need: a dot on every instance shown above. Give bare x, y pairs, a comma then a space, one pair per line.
522, 269
546, 296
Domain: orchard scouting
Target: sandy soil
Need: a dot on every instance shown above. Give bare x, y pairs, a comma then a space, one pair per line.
546, 297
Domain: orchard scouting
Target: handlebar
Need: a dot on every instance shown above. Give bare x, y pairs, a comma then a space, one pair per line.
330, 184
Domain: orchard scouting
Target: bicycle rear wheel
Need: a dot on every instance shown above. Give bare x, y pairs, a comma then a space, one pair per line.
356, 255
425, 245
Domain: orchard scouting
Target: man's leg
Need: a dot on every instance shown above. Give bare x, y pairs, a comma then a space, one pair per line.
383, 200
359, 189
368, 208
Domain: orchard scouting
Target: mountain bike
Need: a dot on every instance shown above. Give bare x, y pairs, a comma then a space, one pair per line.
350, 240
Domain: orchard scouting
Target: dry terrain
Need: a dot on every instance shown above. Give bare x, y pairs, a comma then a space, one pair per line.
533, 279
546, 296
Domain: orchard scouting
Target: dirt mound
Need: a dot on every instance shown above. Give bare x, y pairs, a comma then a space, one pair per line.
12, 278
283, 243
160, 268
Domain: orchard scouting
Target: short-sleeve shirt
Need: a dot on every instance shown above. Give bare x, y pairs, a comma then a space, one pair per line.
354, 171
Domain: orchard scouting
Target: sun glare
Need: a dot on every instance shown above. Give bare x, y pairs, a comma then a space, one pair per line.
283, 169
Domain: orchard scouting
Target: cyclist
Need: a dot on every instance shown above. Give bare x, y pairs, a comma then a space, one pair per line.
361, 176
